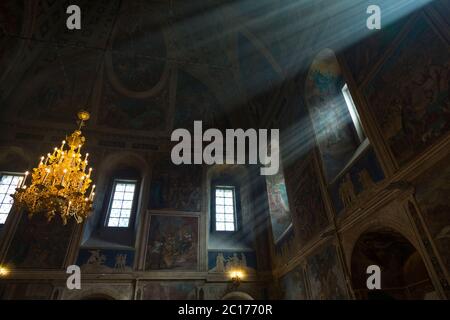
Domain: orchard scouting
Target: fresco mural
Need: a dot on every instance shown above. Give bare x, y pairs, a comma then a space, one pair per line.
409, 95
172, 243
56, 85
125, 112
224, 261
325, 275
93, 260
169, 290
286, 247
432, 195
363, 55
361, 177
280, 213
293, 285
175, 187
195, 101
308, 209
331, 119
137, 62
136, 87
38, 243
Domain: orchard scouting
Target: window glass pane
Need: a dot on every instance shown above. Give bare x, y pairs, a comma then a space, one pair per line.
12, 190
123, 222
229, 227
228, 193
224, 214
15, 181
120, 211
220, 226
128, 196
127, 204
8, 185
115, 213
125, 213
118, 195
353, 113
6, 179
5, 208
113, 222
117, 204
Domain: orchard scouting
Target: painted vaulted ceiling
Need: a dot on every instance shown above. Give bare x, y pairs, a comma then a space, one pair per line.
146, 67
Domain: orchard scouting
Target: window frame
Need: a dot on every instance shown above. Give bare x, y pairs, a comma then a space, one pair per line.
14, 174
111, 199
354, 114
235, 208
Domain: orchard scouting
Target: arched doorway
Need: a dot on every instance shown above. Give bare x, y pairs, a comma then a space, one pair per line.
403, 272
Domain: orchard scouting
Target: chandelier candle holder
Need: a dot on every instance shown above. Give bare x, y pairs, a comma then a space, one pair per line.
61, 183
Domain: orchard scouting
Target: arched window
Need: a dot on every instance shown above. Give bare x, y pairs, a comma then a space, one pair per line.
335, 119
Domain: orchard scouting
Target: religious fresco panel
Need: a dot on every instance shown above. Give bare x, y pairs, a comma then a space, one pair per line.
172, 243
409, 95
362, 176
432, 195
307, 204
224, 261
38, 243
325, 275
94, 260
293, 286
280, 213
330, 116
176, 187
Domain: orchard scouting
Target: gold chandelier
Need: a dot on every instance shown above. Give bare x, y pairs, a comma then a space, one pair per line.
60, 183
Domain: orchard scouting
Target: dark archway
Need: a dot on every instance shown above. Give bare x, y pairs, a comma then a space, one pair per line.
403, 272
